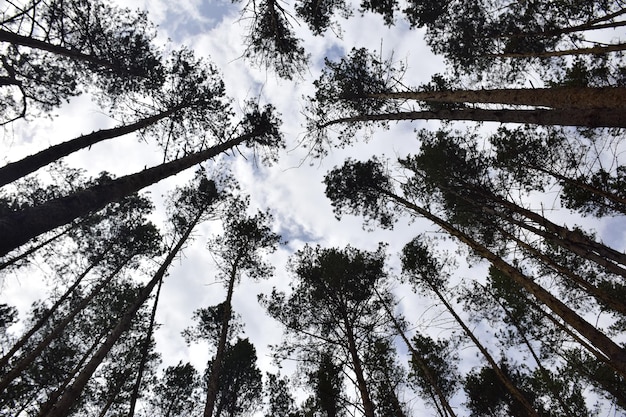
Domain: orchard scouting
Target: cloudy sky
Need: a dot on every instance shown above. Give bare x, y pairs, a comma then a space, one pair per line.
292, 188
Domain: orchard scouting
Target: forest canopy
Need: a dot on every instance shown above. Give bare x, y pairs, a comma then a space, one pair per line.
312, 208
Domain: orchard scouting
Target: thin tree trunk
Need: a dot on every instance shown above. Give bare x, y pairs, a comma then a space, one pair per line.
615, 353
620, 201
39, 324
544, 372
70, 396
555, 117
25, 361
557, 97
600, 295
420, 362
216, 366
116, 391
506, 381
32, 163
35, 248
144, 353
18, 228
368, 405
15, 39
593, 24
594, 50
52, 398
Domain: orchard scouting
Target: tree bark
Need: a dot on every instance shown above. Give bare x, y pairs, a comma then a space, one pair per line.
15, 39
594, 50
420, 362
368, 405
556, 117
39, 324
506, 381
615, 353
557, 97
601, 296
25, 361
32, 163
18, 228
71, 394
216, 366
145, 350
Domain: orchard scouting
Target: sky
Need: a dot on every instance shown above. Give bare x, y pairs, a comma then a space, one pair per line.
291, 189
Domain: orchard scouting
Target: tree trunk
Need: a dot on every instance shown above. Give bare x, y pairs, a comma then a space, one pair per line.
506, 381
615, 353
556, 117
15, 39
39, 324
594, 50
600, 295
544, 372
35, 248
593, 24
618, 200
71, 394
216, 366
144, 353
558, 97
18, 228
25, 361
368, 405
32, 163
420, 362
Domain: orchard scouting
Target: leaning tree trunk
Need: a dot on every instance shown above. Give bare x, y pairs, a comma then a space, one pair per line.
506, 381
145, 350
49, 312
615, 353
30, 164
366, 399
555, 117
216, 366
620, 202
557, 97
71, 394
594, 50
420, 362
544, 372
602, 296
19, 227
15, 39
59, 328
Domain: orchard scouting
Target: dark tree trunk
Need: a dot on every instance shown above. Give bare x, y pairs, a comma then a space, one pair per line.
557, 117
557, 97
506, 381
25, 361
145, 350
43, 320
18, 228
615, 353
71, 394
15, 39
32, 163
216, 366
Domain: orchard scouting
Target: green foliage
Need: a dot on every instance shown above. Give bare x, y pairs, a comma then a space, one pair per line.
270, 41
240, 381
176, 394
438, 357
355, 188
84, 43
318, 13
